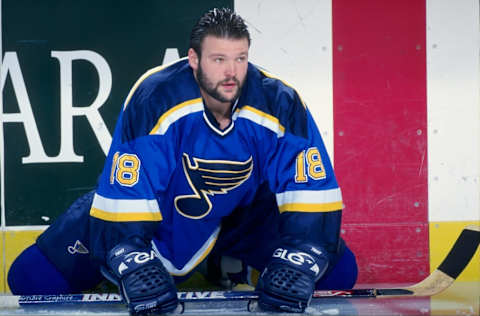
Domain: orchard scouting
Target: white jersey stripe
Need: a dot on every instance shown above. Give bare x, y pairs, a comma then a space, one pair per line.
176, 113
260, 118
309, 197
125, 206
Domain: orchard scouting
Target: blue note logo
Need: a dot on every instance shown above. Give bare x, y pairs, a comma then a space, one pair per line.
207, 178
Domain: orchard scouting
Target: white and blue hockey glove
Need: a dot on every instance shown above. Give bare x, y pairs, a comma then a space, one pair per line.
288, 281
144, 283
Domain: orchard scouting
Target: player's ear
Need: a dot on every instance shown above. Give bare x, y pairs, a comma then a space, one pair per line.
193, 59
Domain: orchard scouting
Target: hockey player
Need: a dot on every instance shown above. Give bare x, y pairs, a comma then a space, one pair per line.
211, 157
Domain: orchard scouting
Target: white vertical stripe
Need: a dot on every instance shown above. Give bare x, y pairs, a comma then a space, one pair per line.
453, 86
293, 40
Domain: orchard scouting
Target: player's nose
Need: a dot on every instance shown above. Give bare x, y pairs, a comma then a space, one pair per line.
230, 69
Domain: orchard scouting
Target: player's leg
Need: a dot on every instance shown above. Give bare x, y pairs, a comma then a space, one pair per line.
342, 275
251, 234
59, 261
228, 264
32, 273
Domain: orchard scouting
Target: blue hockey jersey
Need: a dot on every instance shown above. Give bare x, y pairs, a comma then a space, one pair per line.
172, 174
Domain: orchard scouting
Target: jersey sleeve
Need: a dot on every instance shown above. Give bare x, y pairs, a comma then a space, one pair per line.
125, 203
302, 178
137, 167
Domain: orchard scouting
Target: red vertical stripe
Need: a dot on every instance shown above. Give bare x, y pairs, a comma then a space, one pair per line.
380, 121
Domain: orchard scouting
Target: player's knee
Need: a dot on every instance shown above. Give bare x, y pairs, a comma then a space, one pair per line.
342, 276
31, 273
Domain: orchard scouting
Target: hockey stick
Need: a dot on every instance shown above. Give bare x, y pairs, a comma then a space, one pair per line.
450, 268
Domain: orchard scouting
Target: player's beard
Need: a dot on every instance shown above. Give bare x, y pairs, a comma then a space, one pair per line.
212, 89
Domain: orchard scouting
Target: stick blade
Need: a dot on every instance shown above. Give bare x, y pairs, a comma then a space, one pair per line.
447, 272
454, 263
433, 284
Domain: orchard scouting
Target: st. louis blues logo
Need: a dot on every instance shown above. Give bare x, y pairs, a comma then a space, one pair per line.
78, 247
207, 178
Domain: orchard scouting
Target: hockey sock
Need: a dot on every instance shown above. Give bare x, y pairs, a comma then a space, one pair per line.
32, 273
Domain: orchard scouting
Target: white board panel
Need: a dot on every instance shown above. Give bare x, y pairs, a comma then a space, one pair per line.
453, 86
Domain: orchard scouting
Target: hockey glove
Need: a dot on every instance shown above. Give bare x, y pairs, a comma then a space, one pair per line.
288, 281
143, 281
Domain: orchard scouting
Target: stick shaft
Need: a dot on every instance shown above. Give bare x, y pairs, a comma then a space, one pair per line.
113, 298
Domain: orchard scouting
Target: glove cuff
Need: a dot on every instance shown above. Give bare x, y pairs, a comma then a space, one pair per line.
307, 258
127, 257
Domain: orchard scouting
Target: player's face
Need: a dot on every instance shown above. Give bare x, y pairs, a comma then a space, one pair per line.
222, 69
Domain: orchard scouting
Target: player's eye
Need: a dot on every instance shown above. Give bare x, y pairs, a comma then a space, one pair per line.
219, 60
241, 59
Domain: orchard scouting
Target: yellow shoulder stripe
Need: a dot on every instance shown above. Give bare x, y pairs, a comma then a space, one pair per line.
175, 109
262, 118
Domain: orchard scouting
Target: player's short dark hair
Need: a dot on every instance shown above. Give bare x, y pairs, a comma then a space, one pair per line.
222, 23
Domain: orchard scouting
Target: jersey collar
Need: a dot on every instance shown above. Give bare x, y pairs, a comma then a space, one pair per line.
212, 122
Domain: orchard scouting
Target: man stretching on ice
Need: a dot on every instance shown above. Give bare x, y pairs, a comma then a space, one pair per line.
211, 157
